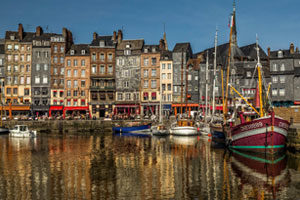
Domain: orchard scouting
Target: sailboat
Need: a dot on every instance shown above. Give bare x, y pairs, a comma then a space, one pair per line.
267, 132
183, 126
3, 129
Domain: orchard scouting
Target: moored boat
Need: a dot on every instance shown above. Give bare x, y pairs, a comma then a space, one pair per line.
3, 130
184, 127
133, 129
22, 131
160, 130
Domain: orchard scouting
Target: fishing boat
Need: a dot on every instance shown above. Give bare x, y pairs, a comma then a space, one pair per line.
22, 131
184, 127
160, 130
139, 129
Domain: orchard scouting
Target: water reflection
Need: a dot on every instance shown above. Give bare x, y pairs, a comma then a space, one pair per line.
119, 167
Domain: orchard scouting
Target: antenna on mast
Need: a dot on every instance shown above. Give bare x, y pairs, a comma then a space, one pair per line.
257, 50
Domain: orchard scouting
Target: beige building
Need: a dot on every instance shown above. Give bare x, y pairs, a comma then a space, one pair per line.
166, 75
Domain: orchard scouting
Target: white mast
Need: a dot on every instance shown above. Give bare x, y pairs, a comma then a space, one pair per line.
161, 97
215, 66
206, 81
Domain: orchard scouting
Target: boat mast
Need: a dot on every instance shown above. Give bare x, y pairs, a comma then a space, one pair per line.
181, 97
1, 104
161, 97
261, 110
206, 81
215, 66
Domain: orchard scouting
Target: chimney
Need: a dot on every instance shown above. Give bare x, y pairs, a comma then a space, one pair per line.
95, 35
120, 36
64, 32
297, 50
161, 44
21, 31
115, 36
292, 48
269, 51
39, 31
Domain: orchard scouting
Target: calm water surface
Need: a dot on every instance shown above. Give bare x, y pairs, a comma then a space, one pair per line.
115, 167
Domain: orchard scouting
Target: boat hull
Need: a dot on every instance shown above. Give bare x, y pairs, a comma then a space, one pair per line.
25, 134
132, 129
217, 133
260, 136
4, 131
184, 131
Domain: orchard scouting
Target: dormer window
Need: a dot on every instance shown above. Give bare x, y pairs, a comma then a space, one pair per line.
128, 45
127, 52
12, 37
145, 50
102, 43
72, 52
153, 49
82, 52
280, 54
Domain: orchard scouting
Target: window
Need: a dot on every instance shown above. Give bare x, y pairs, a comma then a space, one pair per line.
175, 89
72, 52
62, 71
45, 67
102, 56
83, 83
163, 66
282, 67
94, 69
22, 58
28, 80
275, 79
45, 79
93, 57
16, 68
127, 52
145, 50
83, 62
83, 73
69, 84
68, 102
37, 79
62, 60
110, 57
8, 90
169, 76
274, 92
75, 83
68, 93
28, 58
55, 59
282, 79
75, 93
27, 68
75, 63
196, 78
163, 76
146, 84
55, 71
82, 93
169, 66
9, 68
127, 96
69, 73
9, 57
145, 73
68, 62
189, 77
22, 80
126, 84
153, 84
16, 58
146, 61
153, 95
281, 92
169, 97
1, 61
163, 87
82, 52
9, 47
82, 102
248, 74
102, 43
22, 68
75, 73
102, 69
62, 49
120, 96
169, 87
110, 69
26, 92
153, 72
126, 73
46, 54
55, 49
16, 47
275, 67
153, 61
15, 90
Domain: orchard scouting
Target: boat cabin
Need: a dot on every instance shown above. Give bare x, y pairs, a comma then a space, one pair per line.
185, 123
20, 128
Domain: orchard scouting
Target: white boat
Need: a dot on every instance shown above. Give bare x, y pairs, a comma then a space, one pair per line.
184, 128
22, 131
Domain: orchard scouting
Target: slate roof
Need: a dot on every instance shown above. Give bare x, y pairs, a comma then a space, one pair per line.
134, 44
166, 55
150, 47
27, 36
107, 39
250, 52
77, 49
286, 54
179, 46
45, 36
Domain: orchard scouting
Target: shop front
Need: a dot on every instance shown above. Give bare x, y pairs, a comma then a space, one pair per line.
126, 110
76, 112
16, 110
56, 111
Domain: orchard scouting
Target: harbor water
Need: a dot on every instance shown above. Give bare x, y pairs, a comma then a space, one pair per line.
111, 166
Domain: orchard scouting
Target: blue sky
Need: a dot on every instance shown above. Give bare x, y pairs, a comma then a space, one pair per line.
276, 22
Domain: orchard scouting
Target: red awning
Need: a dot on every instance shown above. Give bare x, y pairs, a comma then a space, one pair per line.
153, 94
74, 99
56, 108
68, 99
127, 106
145, 94
77, 108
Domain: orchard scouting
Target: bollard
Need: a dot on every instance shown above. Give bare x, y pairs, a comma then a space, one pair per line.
291, 121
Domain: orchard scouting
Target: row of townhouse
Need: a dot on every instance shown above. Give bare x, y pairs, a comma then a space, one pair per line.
47, 74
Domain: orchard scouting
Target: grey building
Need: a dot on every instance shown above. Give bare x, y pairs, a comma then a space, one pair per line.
40, 73
284, 71
128, 78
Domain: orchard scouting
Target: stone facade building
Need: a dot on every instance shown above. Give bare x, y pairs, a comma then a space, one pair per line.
150, 80
77, 80
40, 72
18, 53
103, 61
128, 70
2, 68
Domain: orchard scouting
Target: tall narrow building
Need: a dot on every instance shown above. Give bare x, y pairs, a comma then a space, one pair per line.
102, 88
